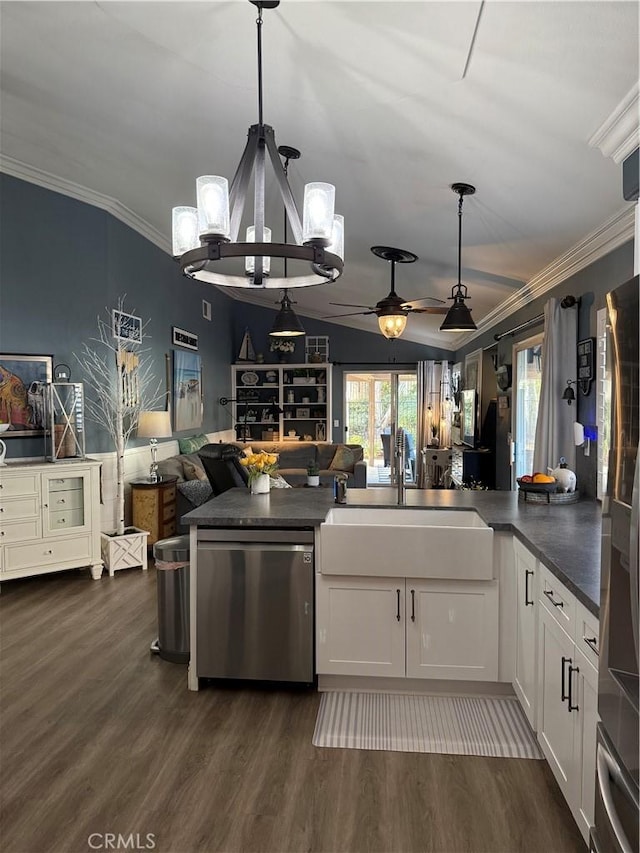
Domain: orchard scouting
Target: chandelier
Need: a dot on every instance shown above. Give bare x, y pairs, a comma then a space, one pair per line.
206, 235
459, 317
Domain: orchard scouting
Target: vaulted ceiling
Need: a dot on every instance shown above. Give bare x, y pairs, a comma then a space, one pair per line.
390, 101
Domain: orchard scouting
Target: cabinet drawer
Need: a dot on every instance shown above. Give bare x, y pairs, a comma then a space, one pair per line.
47, 553
587, 636
63, 484
557, 599
18, 531
19, 508
66, 518
169, 512
23, 484
66, 499
168, 529
169, 495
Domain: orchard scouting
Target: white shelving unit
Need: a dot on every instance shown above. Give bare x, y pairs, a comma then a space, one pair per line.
301, 391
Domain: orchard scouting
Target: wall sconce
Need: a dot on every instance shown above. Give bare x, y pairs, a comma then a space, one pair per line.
569, 394
154, 425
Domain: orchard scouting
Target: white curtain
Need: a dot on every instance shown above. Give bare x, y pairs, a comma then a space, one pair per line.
554, 427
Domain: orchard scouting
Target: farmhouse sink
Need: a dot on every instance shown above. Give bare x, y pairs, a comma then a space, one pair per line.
417, 543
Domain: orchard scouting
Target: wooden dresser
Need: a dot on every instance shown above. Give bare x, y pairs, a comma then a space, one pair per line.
49, 518
154, 507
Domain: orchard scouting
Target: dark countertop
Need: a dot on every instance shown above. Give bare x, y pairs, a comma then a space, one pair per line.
566, 538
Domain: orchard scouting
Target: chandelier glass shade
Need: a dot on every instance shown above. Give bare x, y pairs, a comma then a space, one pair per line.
205, 239
458, 318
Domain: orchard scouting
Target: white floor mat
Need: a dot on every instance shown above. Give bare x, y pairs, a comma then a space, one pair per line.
454, 725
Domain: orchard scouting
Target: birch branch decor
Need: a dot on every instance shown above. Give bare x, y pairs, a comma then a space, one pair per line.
120, 381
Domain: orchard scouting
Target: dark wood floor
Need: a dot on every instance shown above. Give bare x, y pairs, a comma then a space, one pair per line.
98, 736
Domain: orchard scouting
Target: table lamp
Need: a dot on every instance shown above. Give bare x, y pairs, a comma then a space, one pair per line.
154, 425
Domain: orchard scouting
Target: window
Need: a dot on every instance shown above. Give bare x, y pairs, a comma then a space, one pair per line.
527, 360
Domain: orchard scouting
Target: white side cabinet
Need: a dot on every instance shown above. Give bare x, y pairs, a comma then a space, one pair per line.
50, 518
407, 628
568, 694
526, 625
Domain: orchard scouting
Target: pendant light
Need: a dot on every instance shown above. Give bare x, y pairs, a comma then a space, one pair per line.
459, 317
206, 235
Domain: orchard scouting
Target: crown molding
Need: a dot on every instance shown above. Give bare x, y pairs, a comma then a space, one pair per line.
616, 231
17, 169
618, 135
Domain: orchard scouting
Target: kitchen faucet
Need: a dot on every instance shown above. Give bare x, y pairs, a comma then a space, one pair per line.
399, 454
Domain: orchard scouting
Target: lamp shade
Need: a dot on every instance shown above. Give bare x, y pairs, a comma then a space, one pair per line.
287, 323
250, 261
317, 212
154, 425
337, 236
184, 230
392, 325
212, 192
458, 318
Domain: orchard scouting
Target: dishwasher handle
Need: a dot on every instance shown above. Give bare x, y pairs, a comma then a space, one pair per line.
254, 546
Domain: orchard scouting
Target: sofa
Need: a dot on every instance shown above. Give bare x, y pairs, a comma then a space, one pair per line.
213, 468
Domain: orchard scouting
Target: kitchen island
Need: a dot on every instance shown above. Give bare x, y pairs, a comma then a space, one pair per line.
565, 538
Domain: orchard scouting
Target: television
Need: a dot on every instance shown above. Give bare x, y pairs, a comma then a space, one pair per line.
468, 418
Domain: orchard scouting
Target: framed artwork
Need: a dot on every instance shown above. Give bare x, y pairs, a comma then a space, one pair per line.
472, 371
187, 390
184, 339
126, 327
22, 381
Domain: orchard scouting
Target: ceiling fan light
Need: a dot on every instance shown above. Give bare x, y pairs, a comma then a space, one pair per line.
250, 261
212, 193
317, 213
184, 230
392, 325
458, 318
287, 323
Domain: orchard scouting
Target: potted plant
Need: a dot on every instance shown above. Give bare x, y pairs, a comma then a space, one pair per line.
313, 473
259, 468
284, 347
119, 378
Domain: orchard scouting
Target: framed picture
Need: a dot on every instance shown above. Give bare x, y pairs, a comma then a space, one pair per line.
22, 381
126, 327
184, 339
303, 413
187, 391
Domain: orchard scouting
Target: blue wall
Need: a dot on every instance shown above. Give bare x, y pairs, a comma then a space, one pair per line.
62, 263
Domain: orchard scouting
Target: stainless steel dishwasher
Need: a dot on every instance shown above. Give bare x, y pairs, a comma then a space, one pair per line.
254, 605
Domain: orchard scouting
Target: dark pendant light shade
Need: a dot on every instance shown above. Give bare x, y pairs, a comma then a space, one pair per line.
459, 317
287, 323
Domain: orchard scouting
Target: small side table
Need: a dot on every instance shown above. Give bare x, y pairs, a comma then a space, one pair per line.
154, 508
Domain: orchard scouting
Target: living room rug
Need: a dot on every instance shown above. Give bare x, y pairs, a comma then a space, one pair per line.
460, 725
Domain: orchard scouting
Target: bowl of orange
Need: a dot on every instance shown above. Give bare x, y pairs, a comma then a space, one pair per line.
537, 482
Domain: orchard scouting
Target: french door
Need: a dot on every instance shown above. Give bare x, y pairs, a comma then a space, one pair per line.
376, 404
527, 368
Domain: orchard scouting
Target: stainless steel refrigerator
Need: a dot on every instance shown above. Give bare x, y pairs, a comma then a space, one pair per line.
616, 806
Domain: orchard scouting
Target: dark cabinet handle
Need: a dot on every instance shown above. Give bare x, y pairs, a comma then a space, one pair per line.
570, 706
527, 572
592, 642
549, 594
398, 605
564, 695
413, 605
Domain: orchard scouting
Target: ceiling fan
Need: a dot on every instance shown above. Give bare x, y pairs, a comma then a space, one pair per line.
392, 311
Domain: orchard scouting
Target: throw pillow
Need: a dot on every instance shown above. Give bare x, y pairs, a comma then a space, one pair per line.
171, 467
193, 472
192, 443
343, 460
247, 451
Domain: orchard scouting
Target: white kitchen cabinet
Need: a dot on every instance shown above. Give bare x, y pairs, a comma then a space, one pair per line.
452, 629
407, 628
360, 626
50, 518
568, 695
526, 623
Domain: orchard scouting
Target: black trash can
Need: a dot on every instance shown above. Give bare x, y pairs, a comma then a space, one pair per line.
172, 572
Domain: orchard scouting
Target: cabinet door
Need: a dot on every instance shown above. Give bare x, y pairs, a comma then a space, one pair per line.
360, 626
585, 683
452, 630
556, 653
66, 502
524, 676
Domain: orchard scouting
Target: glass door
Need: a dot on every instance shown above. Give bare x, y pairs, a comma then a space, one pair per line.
527, 360
376, 404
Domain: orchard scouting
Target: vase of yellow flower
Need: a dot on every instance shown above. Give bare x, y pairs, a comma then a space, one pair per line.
259, 468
